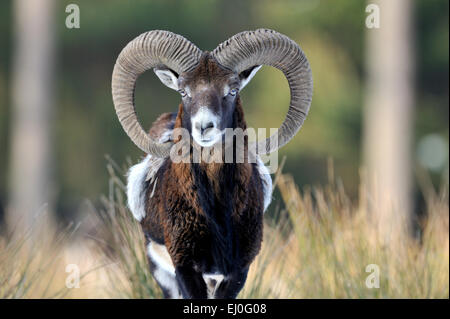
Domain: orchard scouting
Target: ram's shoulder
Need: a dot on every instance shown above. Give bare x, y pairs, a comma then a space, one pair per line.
161, 129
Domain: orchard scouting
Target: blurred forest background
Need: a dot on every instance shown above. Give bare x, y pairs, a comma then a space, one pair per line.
83, 127
380, 106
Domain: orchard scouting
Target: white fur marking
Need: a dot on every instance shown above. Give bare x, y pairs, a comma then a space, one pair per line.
165, 137
168, 281
137, 176
160, 256
135, 188
164, 270
154, 187
266, 181
226, 90
210, 285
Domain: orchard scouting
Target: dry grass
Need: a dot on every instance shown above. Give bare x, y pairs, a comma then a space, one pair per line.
330, 244
318, 247
30, 263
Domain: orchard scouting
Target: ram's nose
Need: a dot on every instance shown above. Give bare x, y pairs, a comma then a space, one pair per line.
204, 120
204, 126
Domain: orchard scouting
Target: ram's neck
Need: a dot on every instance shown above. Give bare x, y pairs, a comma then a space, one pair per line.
214, 172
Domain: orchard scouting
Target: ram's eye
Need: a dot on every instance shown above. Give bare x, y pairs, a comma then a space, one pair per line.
233, 92
182, 92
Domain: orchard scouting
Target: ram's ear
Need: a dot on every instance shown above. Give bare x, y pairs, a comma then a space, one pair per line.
168, 77
246, 75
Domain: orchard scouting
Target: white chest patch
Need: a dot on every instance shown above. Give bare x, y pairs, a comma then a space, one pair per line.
212, 281
145, 171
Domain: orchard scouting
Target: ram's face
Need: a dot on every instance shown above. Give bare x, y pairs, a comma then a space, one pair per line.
209, 94
209, 83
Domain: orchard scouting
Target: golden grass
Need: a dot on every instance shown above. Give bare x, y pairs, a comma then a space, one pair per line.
318, 247
331, 243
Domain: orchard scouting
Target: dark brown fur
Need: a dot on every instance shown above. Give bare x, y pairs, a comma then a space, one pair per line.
209, 216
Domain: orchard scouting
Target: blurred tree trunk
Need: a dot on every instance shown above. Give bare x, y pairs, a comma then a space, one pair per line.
32, 104
388, 118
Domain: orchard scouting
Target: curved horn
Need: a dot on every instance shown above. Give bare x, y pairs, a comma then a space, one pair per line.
268, 47
151, 49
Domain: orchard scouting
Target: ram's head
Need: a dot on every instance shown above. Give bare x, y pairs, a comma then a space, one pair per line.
209, 83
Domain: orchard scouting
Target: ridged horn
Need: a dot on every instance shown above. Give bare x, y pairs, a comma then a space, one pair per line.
268, 47
149, 50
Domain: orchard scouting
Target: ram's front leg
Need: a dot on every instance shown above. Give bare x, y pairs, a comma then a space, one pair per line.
189, 278
191, 282
230, 288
